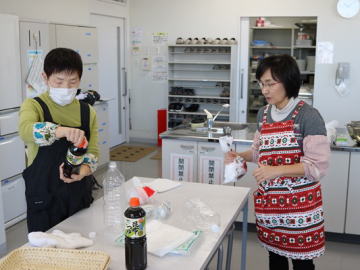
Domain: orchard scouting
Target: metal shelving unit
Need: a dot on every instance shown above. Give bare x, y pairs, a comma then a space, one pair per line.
200, 77
282, 40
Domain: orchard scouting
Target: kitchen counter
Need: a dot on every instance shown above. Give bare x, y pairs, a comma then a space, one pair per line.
244, 136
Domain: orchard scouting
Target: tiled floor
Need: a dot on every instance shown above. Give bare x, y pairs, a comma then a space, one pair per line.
338, 256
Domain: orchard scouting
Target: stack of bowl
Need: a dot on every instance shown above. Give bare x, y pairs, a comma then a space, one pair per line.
354, 131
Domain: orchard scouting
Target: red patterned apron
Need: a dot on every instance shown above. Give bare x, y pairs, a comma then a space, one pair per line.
289, 213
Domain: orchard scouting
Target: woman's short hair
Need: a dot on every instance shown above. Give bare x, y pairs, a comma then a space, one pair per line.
283, 69
63, 60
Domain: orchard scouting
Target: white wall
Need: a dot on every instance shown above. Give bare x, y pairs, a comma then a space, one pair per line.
64, 11
213, 18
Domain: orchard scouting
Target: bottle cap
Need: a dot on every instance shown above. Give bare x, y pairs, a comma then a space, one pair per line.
83, 144
112, 164
134, 202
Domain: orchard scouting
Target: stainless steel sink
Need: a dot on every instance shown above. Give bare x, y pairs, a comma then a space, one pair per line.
232, 125
216, 131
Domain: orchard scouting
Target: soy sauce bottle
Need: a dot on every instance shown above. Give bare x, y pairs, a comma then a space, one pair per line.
74, 158
135, 236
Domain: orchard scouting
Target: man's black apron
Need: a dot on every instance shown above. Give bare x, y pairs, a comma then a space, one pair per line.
49, 199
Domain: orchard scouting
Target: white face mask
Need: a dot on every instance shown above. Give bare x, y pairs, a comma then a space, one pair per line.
62, 96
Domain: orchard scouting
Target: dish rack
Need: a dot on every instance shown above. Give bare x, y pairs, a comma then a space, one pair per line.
30, 258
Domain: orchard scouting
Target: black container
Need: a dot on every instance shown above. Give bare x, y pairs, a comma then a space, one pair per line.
135, 237
74, 159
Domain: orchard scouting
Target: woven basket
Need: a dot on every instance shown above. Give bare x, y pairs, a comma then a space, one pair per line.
54, 259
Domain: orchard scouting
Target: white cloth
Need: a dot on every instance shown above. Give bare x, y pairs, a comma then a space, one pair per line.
163, 238
281, 114
162, 185
58, 239
34, 78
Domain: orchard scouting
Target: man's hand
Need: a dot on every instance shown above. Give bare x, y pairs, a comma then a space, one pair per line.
84, 171
73, 135
266, 172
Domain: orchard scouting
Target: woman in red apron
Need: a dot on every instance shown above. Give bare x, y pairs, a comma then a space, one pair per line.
292, 152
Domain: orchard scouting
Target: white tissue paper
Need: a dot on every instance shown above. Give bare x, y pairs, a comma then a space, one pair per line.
162, 185
238, 168
163, 238
58, 239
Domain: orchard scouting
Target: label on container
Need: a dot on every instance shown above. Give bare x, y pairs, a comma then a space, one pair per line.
134, 227
75, 160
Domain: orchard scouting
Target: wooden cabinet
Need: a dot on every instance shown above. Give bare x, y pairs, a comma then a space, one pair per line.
79, 38
102, 115
201, 162
9, 62
210, 163
334, 189
84, 41
352, 224
179, 160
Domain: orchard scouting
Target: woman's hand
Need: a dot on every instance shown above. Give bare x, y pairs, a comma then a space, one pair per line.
230, 157
265, 173
84, 171
73, 135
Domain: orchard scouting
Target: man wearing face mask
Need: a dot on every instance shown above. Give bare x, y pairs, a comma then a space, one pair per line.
49, 124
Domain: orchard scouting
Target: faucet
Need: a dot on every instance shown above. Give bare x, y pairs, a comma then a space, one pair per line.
211, 119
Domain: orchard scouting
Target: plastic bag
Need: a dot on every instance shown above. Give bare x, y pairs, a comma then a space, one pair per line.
202, 216
238, 168
235, 170
331, 130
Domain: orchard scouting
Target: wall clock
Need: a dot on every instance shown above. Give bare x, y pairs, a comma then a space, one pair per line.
348, 8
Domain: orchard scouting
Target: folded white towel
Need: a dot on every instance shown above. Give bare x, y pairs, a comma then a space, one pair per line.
58, 239
163, 238
162, 185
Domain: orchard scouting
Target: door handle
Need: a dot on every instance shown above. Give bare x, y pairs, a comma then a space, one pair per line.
208, 149
186, 147
241, 83
125, 82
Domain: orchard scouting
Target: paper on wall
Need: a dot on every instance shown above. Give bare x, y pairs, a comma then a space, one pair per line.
137, 36
325, 52
159, 68
160, 38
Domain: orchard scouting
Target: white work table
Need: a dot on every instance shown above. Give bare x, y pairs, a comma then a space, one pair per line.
228, 201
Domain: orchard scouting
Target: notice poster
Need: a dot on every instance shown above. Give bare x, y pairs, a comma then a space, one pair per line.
136, 37
159, 69
211, 170
160, 38
181, 167
325, 52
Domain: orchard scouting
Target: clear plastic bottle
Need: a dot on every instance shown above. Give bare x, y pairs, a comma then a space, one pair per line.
115, 201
